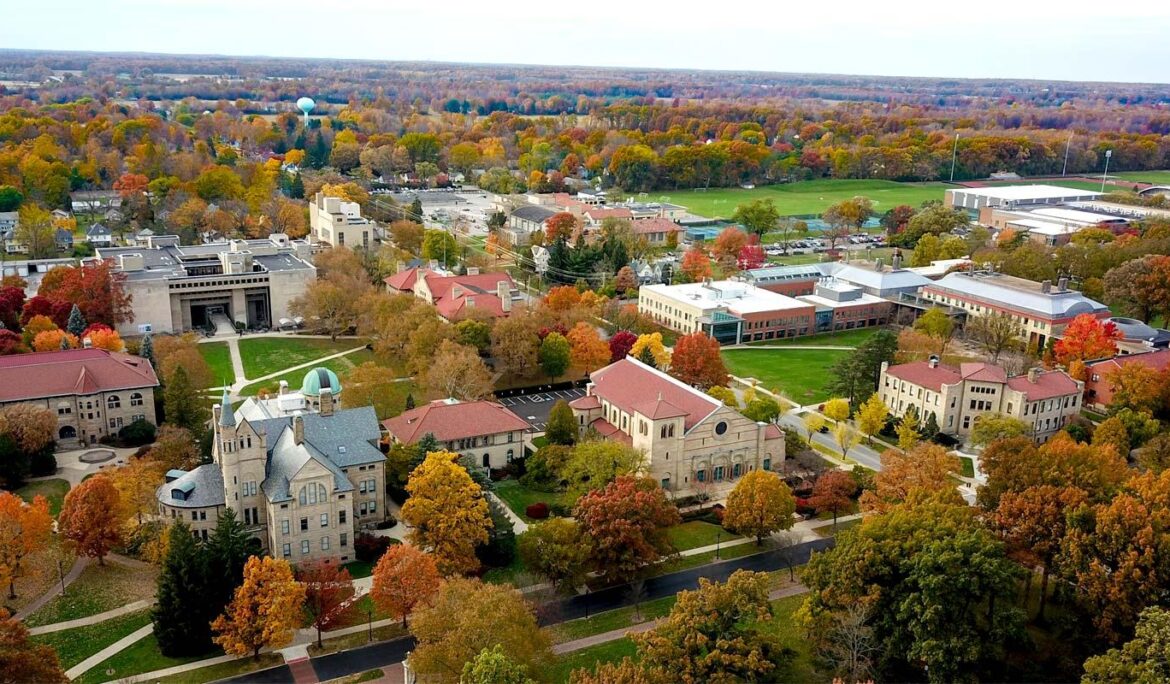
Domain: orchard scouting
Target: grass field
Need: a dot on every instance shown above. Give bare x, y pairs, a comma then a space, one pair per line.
799, 374
75, 645
696, 533
339, 365
53, 490
98, 589
518, 497
1157, 177
144, 656
806, 197
266, 355
844, 338
217, 355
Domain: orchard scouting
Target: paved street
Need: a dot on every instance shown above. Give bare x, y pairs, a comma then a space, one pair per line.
864, 455
534, 408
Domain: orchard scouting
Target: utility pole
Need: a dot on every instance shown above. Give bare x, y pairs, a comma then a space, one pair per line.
1066, 146
954, 157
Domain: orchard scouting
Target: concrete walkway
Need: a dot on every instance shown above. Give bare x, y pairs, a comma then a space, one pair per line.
518, 524
114, 648
243, 381
78, 566
92, 619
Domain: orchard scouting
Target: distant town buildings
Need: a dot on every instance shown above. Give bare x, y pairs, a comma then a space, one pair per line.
957, 397
95, 393
693, 442
176, 287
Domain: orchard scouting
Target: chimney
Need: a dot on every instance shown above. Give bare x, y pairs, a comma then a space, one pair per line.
326, 401
933, 361
399, 266
473, 270
1062, 284
1046, 286
897, 262
283, 387
298, 430
504, 292
1033, 374
885, 366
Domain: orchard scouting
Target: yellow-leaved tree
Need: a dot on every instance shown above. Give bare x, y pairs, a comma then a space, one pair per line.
265, 610
759, 505
871, 416
649, 349
836, 409
447, 512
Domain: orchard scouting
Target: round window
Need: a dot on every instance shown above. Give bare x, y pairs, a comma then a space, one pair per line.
720, 427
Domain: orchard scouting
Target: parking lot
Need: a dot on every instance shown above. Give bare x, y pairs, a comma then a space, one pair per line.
534, 408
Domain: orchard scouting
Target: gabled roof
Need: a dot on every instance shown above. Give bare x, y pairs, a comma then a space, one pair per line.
921, 373
288, 458
1046, 386
441, 286
628, 383
72, 371
585, 403
1158, 360
450, 420
982, 372
655, 225
452, 308
403, 281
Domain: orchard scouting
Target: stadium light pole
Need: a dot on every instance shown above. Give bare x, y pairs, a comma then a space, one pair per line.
1067, 145
1108, 154
954, 157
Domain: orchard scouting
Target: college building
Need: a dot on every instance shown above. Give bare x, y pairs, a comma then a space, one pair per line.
302, 474
176, 288
957, 397
485, 431
693, 442
338, 223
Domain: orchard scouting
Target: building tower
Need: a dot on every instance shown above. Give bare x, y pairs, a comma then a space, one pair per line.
241, 455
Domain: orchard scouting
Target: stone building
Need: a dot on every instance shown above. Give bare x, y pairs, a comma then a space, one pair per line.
484, 430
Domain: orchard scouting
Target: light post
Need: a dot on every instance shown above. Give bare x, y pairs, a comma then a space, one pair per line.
370, 624
1108, 154
1067, 145
61, 575
954, 157
718, 537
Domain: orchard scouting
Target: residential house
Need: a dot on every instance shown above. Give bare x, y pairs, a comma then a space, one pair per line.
657, 231
64, 239
457, 296
485, 431
99, 236
1098, 388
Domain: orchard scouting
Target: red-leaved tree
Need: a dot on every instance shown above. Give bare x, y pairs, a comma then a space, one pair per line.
327, 587
620, 344
627, 520
696, 361
1086, 338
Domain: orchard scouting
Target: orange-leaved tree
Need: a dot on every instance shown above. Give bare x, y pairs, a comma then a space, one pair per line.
696, 265
24, 530
265, 610
1086, 338
589, 352
327, 587
833, 493
404, 578
91, 517
627, 520
696, 361
22, 660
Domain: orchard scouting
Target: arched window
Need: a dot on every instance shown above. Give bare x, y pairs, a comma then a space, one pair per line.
136, 399
302, 498
322, 495
113, 401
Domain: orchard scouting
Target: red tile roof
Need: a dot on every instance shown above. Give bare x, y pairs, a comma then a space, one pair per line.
982, 372
922, 374
610, 431
599, 213
451, 309
630, 385
1048, 385
655, 225
403, 281
451, 421
773, 431
69, 372
585, 403
656, 409
1158, 360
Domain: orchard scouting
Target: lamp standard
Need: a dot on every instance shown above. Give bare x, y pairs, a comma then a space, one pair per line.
1108, 154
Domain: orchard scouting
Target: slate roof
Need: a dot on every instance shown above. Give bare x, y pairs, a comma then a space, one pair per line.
534, 212
73, 371
203, 484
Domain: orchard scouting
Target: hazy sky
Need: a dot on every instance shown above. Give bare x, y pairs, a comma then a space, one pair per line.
1070, 40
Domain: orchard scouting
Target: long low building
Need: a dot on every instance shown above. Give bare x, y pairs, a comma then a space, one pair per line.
1015, 196
735, 311
957, 397
175, 288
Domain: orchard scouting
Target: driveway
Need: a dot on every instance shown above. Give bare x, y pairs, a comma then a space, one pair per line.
534, 408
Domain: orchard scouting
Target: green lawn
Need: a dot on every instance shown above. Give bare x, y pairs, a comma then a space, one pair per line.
1155, 177
827, 530
219, 357
610, 620
696, 533
358, 569
53, 490
518, 497
265, 355
799, 374
844, 338
590, 658
75, 645
294, 378
966, 466
805, 197
144, 656
98, 589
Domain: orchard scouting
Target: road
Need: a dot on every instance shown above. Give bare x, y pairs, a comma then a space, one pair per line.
387, 653
862, 454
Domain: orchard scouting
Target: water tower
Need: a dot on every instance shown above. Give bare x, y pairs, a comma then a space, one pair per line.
306, 105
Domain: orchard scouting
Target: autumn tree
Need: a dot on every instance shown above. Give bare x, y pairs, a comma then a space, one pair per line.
990, 427
560, 226
137, 482
650, 346
846, 216
1015, 464
696, 265
555, 355
1136, 386
813, 422
562, 425
327, 587
759, 217
457, 371
96, 287
1141, 659
34, 230
836, 409
759, 505
1137, 287
627, 521
1086, 338
620, 344
1112, 433
845, 437
327, 307
466, 617
696, 360
871, 416
404, 578
595, 463
89, 517
936, 324
557, 551
908, 430
447, 513
728, 244
995, 333
588, 351
516, 346
833, 493
175, 448
926, 467
265, 611
25, 660
24, 530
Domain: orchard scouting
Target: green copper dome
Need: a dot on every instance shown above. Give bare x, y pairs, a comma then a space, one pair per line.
319, 378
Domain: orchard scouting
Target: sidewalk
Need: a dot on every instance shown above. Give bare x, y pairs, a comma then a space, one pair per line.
92, 619
54, 591
114, 648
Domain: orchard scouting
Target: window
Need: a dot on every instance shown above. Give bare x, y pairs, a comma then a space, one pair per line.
324, 520
362, 508
362, 486
344, 540
718, 473
304, 524
341, 516
511, 454
286, 550
735, 470
136, 399
373, 507
284, 527
701, 476
767, 464
324, 543
721, 427
113, 401
666, 483
304, 547
203, 515
194, 516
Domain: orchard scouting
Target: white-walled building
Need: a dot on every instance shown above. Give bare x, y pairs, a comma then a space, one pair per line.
339, 223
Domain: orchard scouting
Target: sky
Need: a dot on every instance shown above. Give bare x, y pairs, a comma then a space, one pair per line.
1024, 39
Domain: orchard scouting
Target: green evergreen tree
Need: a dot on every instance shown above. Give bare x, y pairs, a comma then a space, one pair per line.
416, 212
181, 623
424, 446
409, 401
76, 324
647, 357
930, 429
227, 551
182, 404
64, 343
296, 189
146, 351
562, 425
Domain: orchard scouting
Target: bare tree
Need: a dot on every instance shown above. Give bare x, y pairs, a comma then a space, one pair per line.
850, 644
995, 333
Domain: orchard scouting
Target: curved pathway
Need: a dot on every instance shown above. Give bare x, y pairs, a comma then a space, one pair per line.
74, 572
92, 619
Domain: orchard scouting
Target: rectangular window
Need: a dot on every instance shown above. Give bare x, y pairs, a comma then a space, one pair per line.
344, 540
373, 507
362, 486
362, 508
193, 516
304, 524
324, 520
324, 543
203, 515
304, 547
287, 549
284, 526
341, 516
